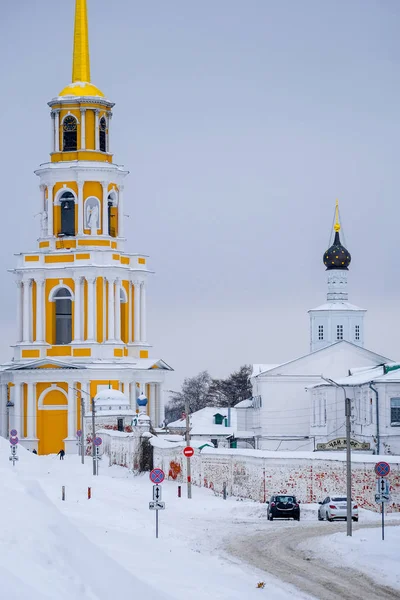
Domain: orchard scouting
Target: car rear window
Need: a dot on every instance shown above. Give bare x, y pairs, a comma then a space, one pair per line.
285, 499
339, 499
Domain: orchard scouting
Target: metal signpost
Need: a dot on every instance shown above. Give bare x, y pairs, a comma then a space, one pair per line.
96, 443
157, 476
80, 441
382, 495
188, 452
13, 446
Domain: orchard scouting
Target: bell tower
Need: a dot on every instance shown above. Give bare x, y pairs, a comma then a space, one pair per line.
81, 303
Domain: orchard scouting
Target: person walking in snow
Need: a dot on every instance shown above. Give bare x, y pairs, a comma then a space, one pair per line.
61, 454
34, 451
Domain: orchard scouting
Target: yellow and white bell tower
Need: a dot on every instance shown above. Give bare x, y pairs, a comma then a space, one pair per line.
81, 303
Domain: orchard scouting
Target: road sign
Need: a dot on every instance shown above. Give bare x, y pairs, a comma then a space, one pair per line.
382, 469
188, 451
157, 475
79, 433
382, 490
13, 432
157, 492
14, 441
97, 441
157, 505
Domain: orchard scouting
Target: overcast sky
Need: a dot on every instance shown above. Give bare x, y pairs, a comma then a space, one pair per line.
240, 121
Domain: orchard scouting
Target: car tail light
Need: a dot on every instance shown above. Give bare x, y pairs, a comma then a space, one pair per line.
332, 506
272, 503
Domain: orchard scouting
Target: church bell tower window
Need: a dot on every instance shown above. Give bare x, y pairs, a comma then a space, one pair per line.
357, 333
320, 332
102, 134
70, 134
63, 333
339, 332
67, 203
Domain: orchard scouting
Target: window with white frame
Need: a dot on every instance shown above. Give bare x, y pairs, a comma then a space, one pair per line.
395, 412
357, 333
320, 332
339, 332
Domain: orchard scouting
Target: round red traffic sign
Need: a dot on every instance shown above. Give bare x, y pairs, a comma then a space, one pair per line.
382, 469
188, 451
157, 476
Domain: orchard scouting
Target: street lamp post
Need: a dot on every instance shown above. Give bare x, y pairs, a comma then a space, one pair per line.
347, 406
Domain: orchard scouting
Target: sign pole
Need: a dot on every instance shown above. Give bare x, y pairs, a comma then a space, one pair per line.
188, 465
348, 466
156, 524
83, 429
383, 521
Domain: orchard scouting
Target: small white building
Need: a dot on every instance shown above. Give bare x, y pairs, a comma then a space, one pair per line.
211, 424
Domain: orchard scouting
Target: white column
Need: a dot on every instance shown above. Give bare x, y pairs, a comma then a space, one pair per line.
109, 134
121, 211
152, 401
53, 131
136, 311
17, 422
105, 208
96, 129
19, 310
26, 320
71, 410
91, 309
78, 310
83, 128
50, 210
104, 309
57, 131
143, 332
132, 395
30, 416
80, 207
161, 402
111, 315
129, 312
40, 311
117, 325
4, 409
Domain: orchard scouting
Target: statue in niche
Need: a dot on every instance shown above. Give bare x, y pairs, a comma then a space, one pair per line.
92, 216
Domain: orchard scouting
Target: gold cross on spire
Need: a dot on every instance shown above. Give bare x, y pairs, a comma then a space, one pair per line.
81, 57
337, 222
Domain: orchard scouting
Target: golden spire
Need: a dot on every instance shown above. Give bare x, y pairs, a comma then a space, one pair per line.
336, 227
81, 57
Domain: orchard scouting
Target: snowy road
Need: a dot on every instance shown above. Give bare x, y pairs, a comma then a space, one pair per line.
278, 553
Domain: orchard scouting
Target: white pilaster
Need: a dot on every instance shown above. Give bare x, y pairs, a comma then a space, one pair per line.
31, 412
132, 395
17, 420
57, 131
111, 309
83, 128
53, 131
50, 211
118, 309
136, 311
27, 302
78, 310
109, 129
143, 323
80, 207
19, 311
130, 312
152, 401
4, 409
105, 207
91, 310
71, 411
40, 310
96, 129
161, 403
121, 211
85, 387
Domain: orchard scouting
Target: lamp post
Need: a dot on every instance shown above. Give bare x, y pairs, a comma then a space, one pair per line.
83, 429
347, 405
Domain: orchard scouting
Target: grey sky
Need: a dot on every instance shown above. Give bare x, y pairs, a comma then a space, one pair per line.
241, 122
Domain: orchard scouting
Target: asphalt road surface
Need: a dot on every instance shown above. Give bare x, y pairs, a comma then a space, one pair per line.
276, 551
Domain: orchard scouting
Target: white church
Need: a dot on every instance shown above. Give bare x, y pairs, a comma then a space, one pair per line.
293, 406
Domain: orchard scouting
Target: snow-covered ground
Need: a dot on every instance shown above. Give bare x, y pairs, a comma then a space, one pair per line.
100, 548
364, 551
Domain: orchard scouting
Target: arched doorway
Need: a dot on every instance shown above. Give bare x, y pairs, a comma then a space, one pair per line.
52, 427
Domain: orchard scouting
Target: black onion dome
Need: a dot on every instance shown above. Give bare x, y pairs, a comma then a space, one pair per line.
337, 256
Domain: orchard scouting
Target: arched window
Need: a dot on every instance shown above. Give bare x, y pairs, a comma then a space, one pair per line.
112, 216
62, 300
70, 134
102, 134
67, 203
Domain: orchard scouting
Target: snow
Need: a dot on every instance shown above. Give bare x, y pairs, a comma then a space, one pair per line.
364, 551
106, 547
337, 306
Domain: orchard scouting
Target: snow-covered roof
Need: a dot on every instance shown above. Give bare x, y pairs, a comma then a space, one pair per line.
129, 363
202, 422
245, 403
363, 376
338, 306
261, 368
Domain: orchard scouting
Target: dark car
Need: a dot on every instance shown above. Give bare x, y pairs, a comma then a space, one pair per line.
282, 506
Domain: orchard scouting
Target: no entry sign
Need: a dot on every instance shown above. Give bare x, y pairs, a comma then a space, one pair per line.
188, 451
382, 469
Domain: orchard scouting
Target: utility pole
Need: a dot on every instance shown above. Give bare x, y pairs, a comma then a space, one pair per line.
93, 436
348, 466
83, 429
188, 466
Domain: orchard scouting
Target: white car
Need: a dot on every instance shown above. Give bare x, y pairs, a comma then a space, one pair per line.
335, 507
